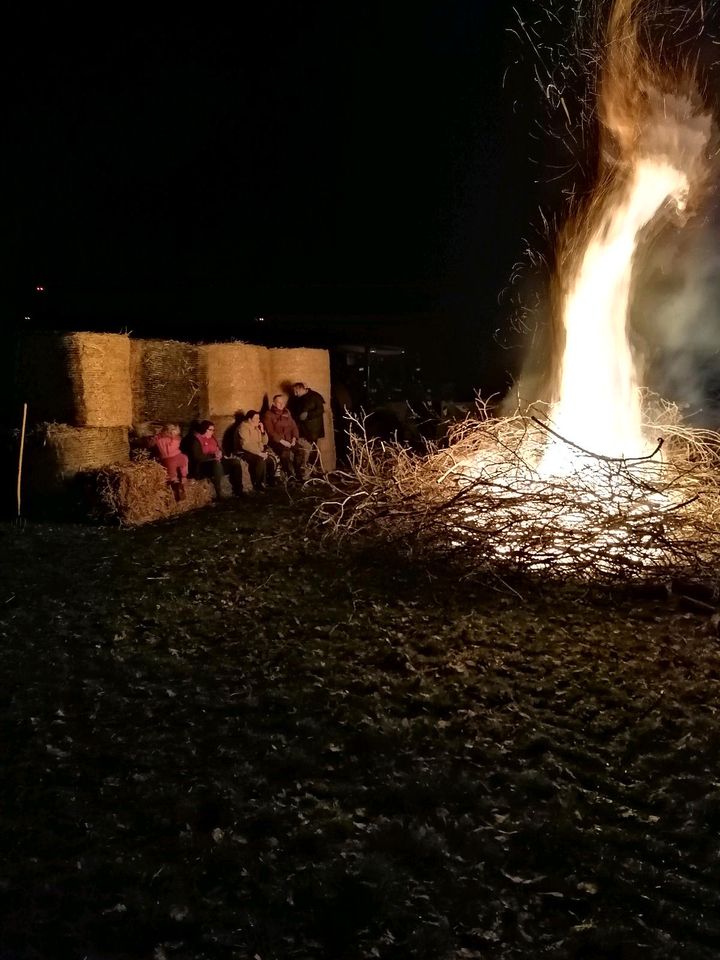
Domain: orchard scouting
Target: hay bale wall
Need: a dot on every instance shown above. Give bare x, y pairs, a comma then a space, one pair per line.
84, 389
81, 379
165, 381
310, 366
234, 376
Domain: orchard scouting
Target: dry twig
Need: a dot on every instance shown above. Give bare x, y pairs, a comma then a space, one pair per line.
483, 502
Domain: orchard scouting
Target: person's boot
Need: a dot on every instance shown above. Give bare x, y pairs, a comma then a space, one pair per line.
181, 494
175, 486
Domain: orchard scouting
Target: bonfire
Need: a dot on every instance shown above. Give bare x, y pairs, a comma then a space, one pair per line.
601, 478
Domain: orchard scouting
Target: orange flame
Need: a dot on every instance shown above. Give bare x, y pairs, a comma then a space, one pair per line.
652, 154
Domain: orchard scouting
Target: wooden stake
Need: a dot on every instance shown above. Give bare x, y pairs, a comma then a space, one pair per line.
20, 459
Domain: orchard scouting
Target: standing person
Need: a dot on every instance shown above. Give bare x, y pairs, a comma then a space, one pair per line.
308, 409
166, 444
251, 442
206, 455
284, 435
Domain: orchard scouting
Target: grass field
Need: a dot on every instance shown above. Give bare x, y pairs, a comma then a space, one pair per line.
221, 741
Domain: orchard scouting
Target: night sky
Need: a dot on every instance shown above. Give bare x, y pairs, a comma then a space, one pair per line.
357, 166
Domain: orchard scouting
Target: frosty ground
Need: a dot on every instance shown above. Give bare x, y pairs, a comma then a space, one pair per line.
222, 740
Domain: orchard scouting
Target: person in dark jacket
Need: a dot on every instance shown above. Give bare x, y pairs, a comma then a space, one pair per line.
205, 455
284, 436
308, 409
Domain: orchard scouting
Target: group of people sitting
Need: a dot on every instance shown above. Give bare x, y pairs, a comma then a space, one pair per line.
280, 443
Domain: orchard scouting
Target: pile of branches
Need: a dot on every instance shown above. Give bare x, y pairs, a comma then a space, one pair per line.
481, 503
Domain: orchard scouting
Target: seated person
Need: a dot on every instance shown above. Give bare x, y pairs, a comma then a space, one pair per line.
284, 435
233, 462
205, 455
251, 443
166, 446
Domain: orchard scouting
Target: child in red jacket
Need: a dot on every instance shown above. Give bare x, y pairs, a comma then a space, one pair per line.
166, 444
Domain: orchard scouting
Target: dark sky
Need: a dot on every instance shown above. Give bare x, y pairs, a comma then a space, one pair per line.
181, 176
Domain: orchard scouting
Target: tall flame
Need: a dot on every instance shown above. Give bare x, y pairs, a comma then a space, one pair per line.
652, 146
599, 396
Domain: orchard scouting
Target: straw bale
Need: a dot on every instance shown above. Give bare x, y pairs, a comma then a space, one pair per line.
82, 379
100, 362
165, 380
224, 430
138, 492
56, 453
310, 366
66, 450
234, 376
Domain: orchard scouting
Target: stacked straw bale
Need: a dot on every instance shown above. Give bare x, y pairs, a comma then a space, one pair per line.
56, 453
165, 380
234, 376
77, 387
137, 492
310, 366
82, 379
85, 389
